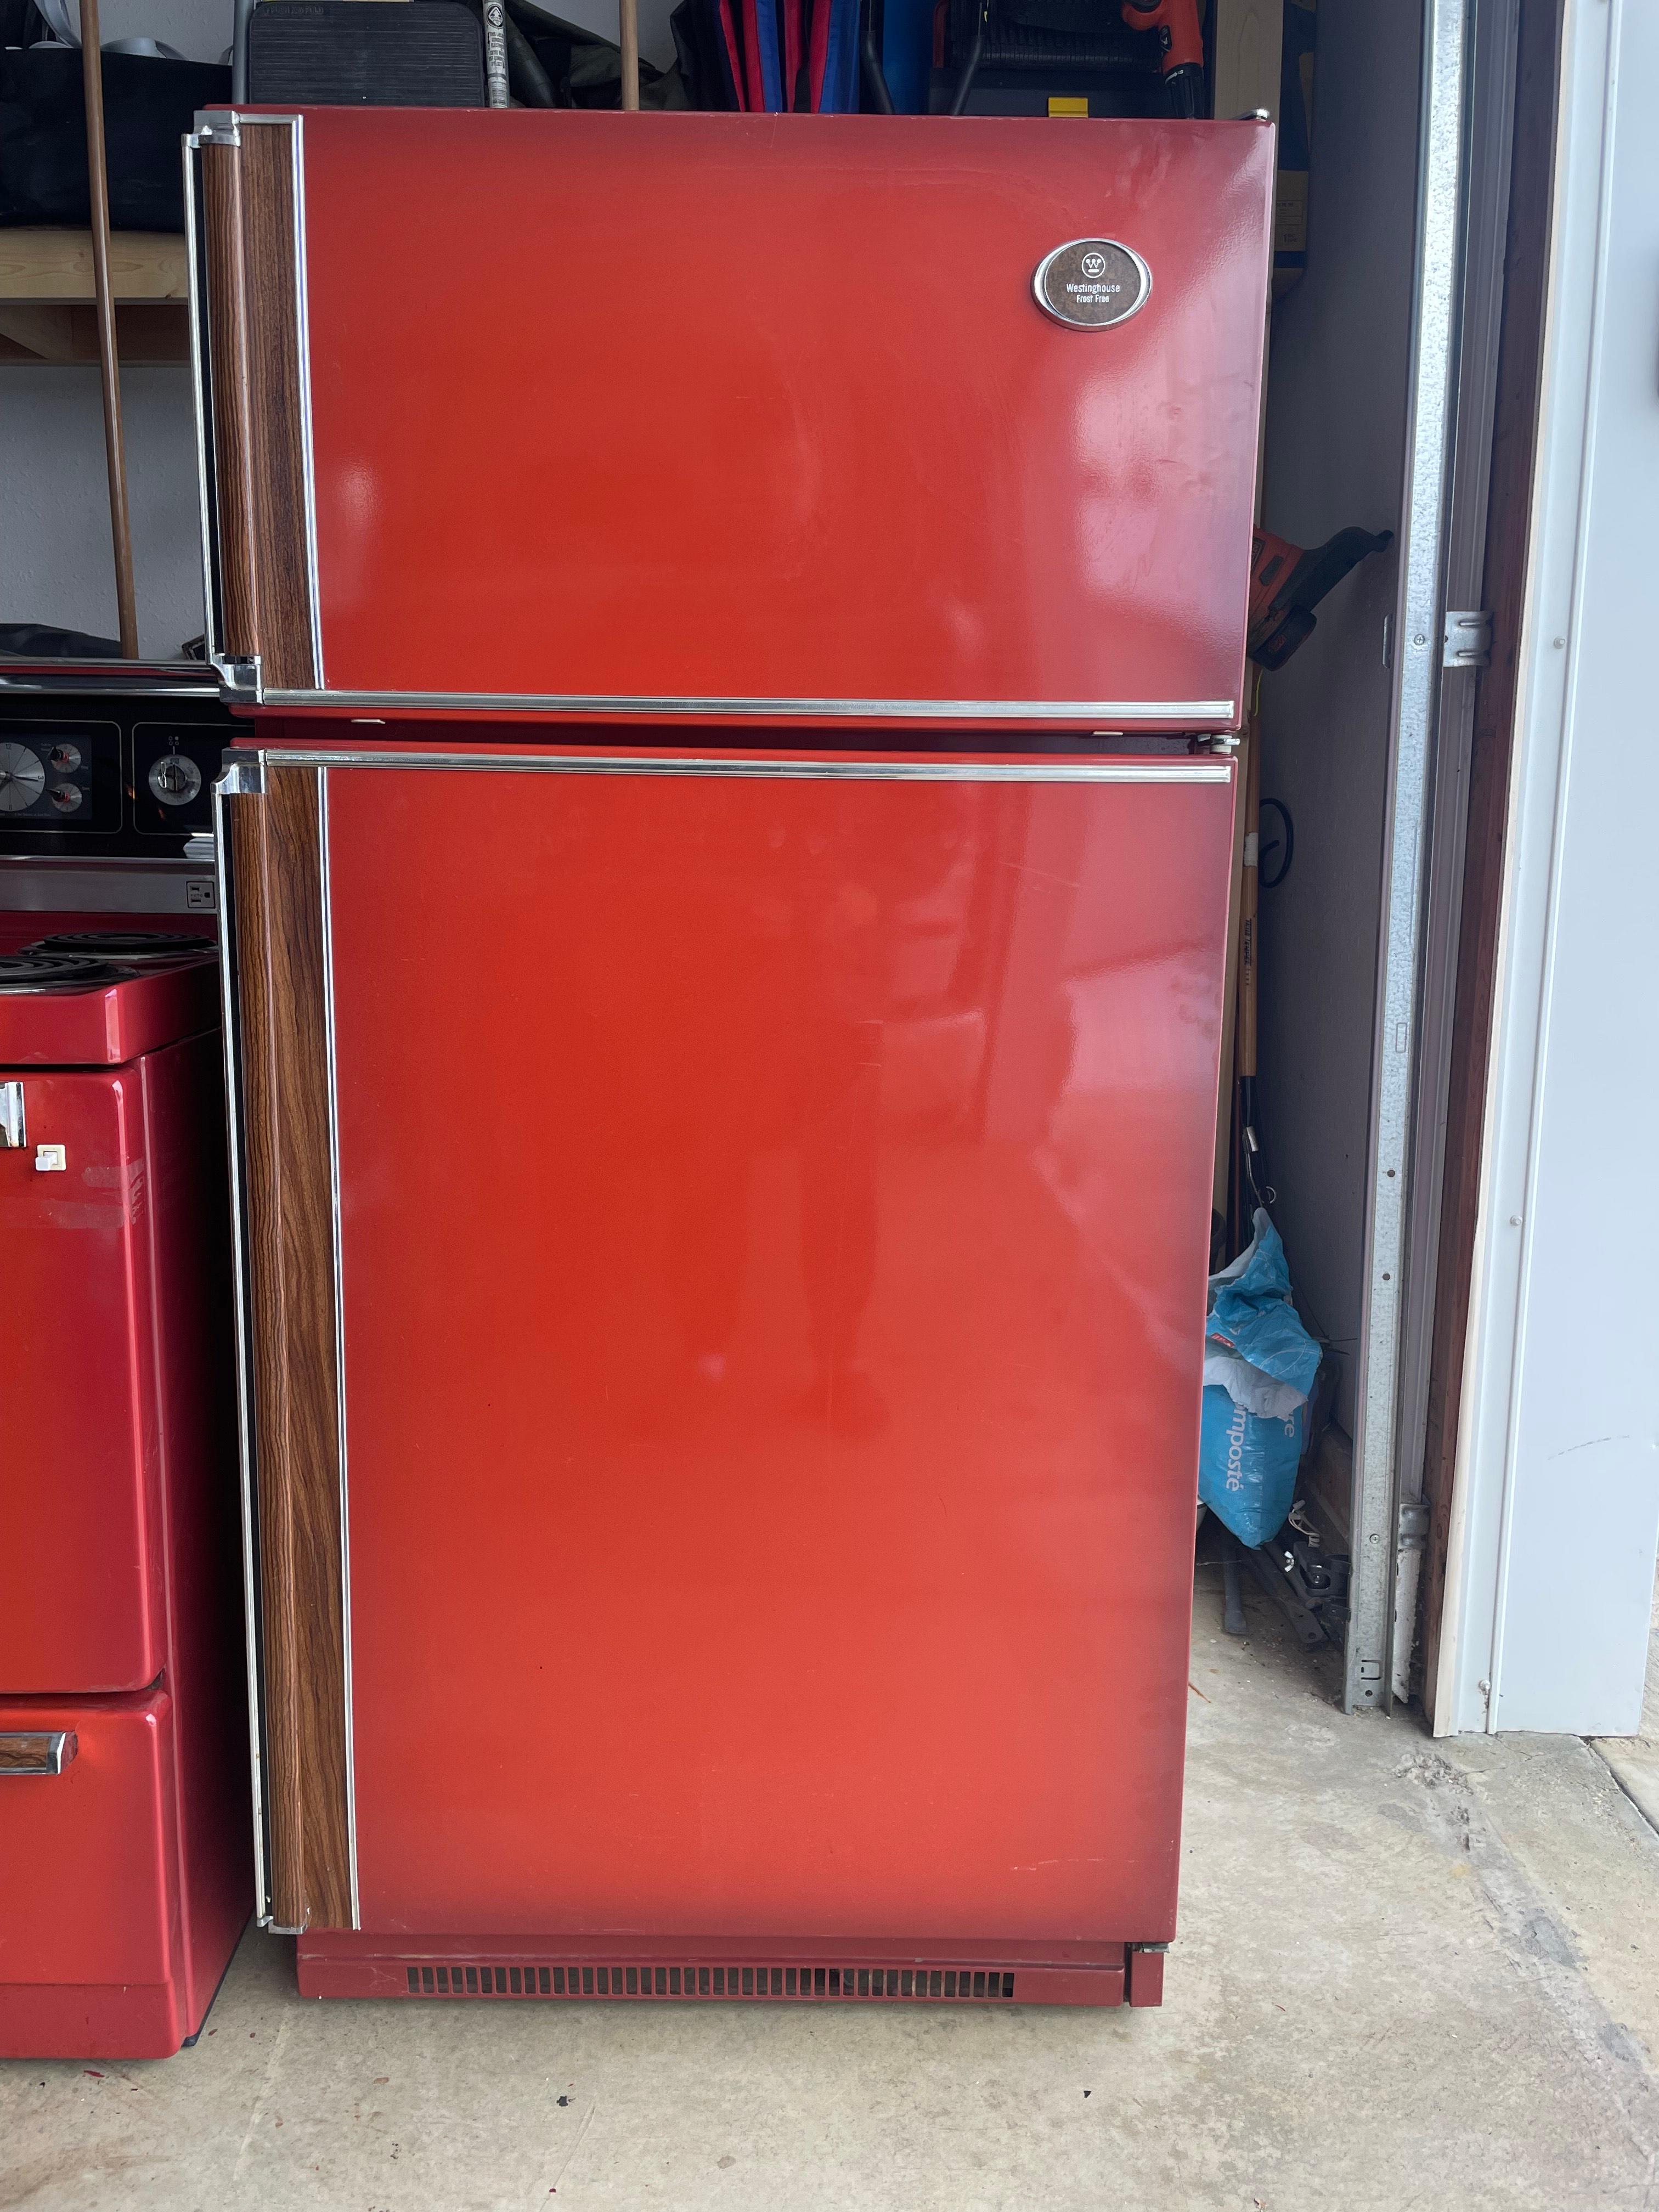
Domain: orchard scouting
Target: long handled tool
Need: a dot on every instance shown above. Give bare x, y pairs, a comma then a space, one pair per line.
630, 11
115, 452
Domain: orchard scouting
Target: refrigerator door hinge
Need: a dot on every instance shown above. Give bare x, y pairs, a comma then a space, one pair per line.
239, 680
13, 1131
1468, 639
243, 778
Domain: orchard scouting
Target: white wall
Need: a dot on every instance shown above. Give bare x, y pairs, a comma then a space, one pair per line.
198, 29
56, 563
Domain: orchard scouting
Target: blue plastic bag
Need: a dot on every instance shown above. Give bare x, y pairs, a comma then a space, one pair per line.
1247, 1465
1258, 1367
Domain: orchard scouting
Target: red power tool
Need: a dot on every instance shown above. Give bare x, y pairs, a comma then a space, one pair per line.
1177, 24
1288, 581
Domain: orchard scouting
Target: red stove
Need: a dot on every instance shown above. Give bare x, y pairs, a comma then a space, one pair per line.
124, 1859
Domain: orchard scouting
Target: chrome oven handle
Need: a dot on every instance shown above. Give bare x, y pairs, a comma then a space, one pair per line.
36, 1751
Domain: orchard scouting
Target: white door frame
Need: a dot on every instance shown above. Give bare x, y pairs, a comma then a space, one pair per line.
1555, 1501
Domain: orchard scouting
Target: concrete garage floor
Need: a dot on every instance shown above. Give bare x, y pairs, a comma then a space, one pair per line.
1408, 1975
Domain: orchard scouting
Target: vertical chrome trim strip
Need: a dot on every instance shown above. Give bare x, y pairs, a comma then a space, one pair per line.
229, 781
302, 324
339, 1330
192, 145
1368, 1673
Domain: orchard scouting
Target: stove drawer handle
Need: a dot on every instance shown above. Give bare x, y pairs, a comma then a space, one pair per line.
36, 1751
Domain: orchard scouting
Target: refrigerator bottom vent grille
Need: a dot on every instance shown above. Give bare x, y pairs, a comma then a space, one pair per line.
912, 1983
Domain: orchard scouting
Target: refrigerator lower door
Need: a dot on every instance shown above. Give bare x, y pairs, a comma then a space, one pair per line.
770, 1256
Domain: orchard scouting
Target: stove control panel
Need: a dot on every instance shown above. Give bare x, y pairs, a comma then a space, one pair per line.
61, 775
121, 777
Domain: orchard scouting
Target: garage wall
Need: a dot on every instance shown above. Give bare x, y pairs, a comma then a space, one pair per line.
1335, 455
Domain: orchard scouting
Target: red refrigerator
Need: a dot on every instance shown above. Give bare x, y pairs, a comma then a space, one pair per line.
727, 881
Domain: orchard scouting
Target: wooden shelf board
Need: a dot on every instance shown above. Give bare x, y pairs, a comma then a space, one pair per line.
52, 268
152, 331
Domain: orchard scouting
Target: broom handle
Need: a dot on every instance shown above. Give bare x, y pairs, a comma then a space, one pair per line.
630, 53
115, 454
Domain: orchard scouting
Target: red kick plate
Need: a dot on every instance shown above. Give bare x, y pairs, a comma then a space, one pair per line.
339, 1965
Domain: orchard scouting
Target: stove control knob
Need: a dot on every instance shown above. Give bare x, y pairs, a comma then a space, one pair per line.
65, 758
66, 797
175, 779
22, 778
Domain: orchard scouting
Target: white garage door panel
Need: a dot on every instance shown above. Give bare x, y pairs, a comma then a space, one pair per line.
1560, 1480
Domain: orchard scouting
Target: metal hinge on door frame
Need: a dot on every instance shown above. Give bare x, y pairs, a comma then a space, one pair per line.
1468, 639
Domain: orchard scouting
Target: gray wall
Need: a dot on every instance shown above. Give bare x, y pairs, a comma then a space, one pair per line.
1336, 433
56, 563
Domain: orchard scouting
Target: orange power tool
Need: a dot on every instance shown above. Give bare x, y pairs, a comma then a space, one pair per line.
1288, 581
1176, 23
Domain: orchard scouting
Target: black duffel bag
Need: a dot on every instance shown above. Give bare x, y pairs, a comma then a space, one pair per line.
149, 103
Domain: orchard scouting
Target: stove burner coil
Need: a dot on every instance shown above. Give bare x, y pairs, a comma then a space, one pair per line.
35, 971
125, 944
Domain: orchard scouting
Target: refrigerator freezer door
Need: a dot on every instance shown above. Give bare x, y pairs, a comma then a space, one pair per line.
774, 1219
80, 1442
705, 411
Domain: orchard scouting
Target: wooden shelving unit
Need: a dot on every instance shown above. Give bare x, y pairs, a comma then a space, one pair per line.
47, 296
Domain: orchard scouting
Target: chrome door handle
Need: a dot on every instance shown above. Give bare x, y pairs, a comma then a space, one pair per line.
36, 1751
11, 1115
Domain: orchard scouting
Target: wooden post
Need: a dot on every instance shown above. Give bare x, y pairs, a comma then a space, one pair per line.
92, 77
630, 53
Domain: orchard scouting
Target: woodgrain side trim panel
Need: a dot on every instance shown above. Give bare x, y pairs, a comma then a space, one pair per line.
256, 383
276, 842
